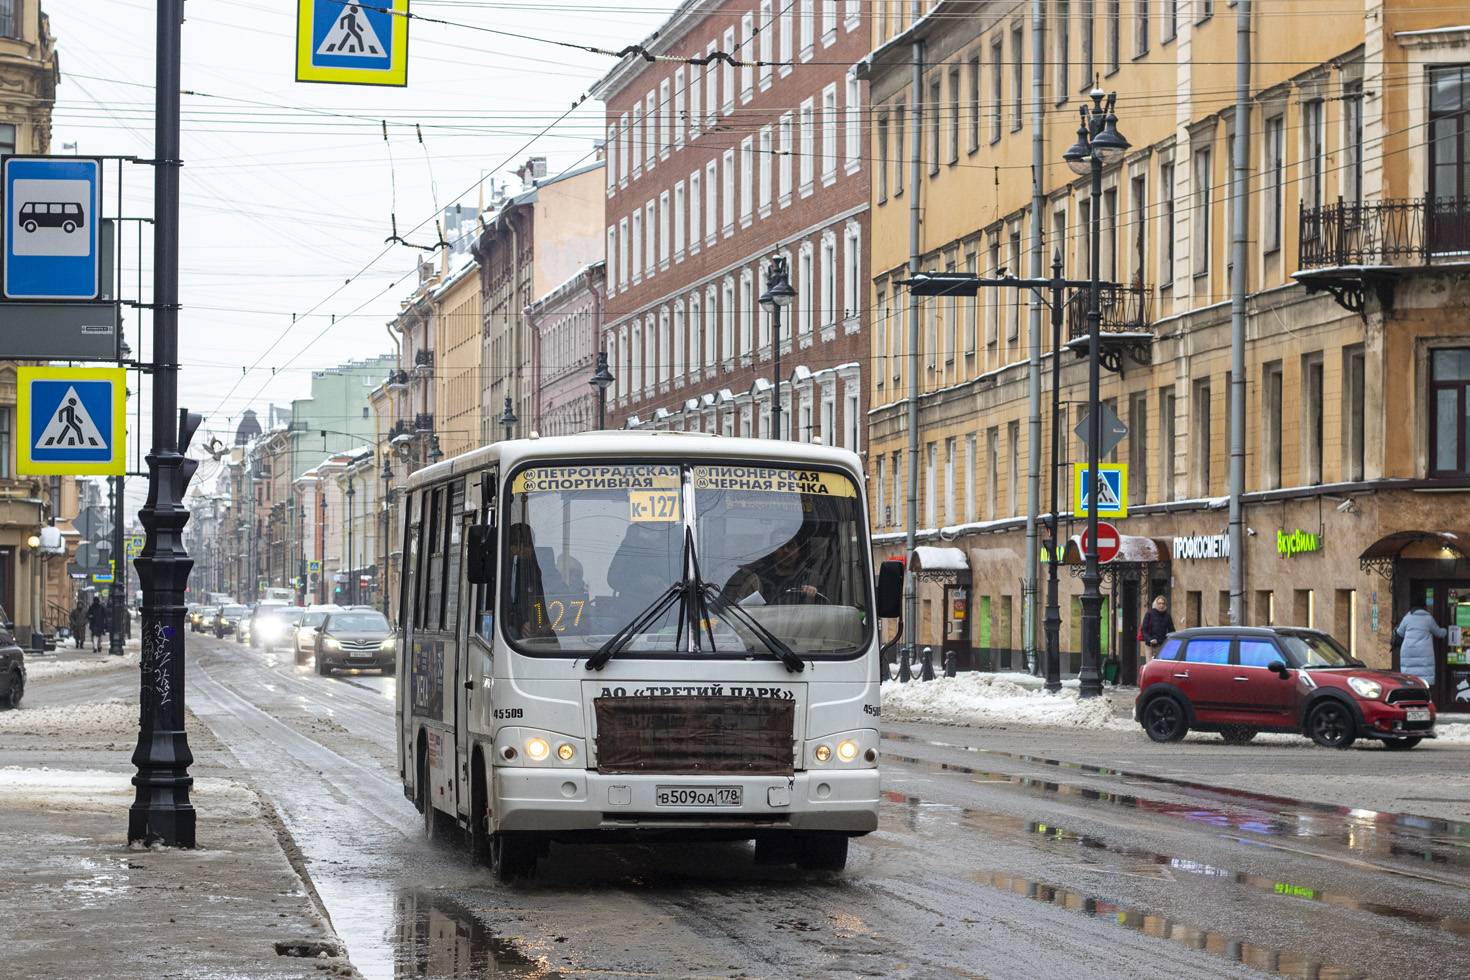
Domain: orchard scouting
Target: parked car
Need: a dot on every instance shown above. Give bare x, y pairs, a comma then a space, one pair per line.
307, 624
202, 619
12, 665
355, 639
228, 620
1239, 680
252, 629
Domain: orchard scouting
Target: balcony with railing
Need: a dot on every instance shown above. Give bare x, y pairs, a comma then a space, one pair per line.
1127, 327
423, 362
1351, 247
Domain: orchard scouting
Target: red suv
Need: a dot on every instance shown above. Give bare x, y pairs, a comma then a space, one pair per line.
1239, 680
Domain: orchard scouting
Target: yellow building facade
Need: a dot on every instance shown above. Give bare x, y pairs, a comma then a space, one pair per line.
1357, 451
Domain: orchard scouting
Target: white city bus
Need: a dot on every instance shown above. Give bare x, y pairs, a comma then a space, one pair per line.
640, 636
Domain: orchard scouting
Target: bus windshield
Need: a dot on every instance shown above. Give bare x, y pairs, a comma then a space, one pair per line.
589, 550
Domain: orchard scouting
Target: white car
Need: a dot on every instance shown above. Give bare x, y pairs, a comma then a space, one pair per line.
311, 620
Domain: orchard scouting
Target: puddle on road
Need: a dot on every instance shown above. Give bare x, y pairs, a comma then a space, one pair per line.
1164, 927
437, 938
1089, 852
1363, 832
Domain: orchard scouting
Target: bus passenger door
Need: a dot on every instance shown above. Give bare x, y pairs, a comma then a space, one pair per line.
461, 598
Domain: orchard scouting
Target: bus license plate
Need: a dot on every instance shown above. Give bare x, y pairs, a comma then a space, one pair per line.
1417, 714
697, 795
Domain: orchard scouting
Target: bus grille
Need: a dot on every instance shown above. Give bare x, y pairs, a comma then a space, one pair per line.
695, 735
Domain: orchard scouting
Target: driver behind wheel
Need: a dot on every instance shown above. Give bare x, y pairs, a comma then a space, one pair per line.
784, 575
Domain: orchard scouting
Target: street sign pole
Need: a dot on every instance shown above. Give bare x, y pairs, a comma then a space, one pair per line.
161, 811
119, 573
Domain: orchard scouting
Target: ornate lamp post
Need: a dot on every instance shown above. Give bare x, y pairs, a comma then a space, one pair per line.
321, 540
778, 296
1098, 143
435, 453
387, 478
350, 558
601, 378
300, 552
508, 419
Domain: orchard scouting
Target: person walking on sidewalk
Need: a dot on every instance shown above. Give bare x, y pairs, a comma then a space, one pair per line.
79, 623
98, 621
1156, 627
1418, 630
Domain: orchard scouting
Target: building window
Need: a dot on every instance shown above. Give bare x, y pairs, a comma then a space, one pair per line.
7, 441
829, 133
678, 354
829, 279
1166, 444
664, 236
711, 328
935, 104
1204, 198
804, 291
650, 135
1140, 28
711, 86
727, 198
1062, 34
808, 146
636, 143
637, 270
1354, 412
1088, 10
747, 179
931, 495
612, 256
951, 514
1138, 448
1312, 151
970, 478
696, 199
679, 221
1114, 29
1352, 139
696, 325
992, 475
1166, 224
665, 118
767, 28
898, 150
808, 27
747, 306
711, 204
1200, 440
974, 141
852, 276
1312, 384
650, 238
1274, 178
783, 172
1013, 469
662, 348
1449, 105
764, 163
727, 320
882, 157
1449, 406
1271, 391
681, 119
786, 38
997, 81
1171, 19
696, 103
727, 79
854, 123
747, 55
1018, 68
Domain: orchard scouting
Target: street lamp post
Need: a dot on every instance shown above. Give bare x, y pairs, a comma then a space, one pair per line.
387, 477
508, 419
1098, 143
777, 296
350, 558
301, 552
321, 540
601, 378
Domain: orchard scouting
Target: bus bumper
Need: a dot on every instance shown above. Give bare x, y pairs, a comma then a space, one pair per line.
551, 801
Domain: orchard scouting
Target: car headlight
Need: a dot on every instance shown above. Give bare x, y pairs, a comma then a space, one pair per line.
389, 644
1365, 687
331, 644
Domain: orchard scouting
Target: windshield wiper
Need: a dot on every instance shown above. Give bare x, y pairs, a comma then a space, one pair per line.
707, 597
620, 640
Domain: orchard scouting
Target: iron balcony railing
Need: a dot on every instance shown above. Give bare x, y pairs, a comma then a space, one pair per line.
1126, 308
1413, 231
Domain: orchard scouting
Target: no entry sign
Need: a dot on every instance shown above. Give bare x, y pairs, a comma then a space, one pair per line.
1109, 542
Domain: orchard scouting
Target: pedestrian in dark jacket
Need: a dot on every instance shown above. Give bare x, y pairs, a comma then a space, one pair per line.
1156, 627
1416, 655
79, 623
97, 620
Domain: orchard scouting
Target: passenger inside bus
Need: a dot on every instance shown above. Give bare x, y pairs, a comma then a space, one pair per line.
645, 565
527, 588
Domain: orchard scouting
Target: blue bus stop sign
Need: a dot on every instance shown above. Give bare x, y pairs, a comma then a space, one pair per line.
52, 215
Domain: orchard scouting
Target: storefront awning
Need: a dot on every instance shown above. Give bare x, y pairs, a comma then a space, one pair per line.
1133, 548
1381, 555
940, 564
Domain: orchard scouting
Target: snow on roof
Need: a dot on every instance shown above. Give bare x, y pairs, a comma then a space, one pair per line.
934, 559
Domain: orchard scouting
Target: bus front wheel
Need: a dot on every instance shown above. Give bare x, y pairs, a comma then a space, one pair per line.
513, 857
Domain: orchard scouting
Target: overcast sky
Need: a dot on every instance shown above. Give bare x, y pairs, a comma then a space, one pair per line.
289, 189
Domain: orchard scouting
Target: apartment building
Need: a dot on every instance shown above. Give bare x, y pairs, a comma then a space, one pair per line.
1357, 363
565, 329
743, 141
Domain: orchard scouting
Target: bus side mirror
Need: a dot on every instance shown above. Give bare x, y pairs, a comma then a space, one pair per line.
890, 589
480, 554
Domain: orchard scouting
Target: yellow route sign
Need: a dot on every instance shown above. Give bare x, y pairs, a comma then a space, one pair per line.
72, 420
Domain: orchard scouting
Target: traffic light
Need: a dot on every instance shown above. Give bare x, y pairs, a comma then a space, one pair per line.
337, 590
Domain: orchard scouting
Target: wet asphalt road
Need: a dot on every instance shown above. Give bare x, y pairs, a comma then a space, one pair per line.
988, 863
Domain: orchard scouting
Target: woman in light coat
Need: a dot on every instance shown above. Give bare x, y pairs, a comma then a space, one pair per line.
1416, 655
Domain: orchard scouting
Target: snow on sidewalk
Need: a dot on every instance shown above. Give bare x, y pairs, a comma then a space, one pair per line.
982, 700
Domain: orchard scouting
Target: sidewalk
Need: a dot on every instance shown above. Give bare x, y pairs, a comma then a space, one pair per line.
81, 903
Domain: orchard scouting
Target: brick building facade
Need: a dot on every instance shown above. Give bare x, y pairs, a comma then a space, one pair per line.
713, 169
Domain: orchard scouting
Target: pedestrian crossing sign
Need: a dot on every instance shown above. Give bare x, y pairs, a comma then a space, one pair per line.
72, 420
347, 43
1112, 495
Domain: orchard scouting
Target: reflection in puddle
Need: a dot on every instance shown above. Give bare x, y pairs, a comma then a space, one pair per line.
1164, 927
1099, 857
1367, 832
436, 938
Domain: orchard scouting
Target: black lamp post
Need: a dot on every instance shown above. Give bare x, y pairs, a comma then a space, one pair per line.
1098, 143
435, 453
777, 296
352, 569
387, 477
508, 419
300, 552
601, 378
321, 532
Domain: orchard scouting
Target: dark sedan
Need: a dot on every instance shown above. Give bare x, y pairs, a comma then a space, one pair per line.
353, 640
228, 620
12, 666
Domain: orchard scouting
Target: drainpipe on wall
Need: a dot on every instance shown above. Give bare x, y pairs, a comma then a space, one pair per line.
1239, 219
910, 588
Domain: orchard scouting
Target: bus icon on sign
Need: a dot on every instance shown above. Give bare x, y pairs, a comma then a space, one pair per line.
47, 214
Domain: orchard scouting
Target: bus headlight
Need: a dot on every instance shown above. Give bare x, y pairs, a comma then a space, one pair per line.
565, 753
822, 753
537, 749
856, 749
847, 751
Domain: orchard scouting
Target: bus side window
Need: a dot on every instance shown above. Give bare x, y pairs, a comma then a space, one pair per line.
452, 526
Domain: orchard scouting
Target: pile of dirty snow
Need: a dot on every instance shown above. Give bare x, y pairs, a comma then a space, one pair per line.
113, 718
51, 665
992, 700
